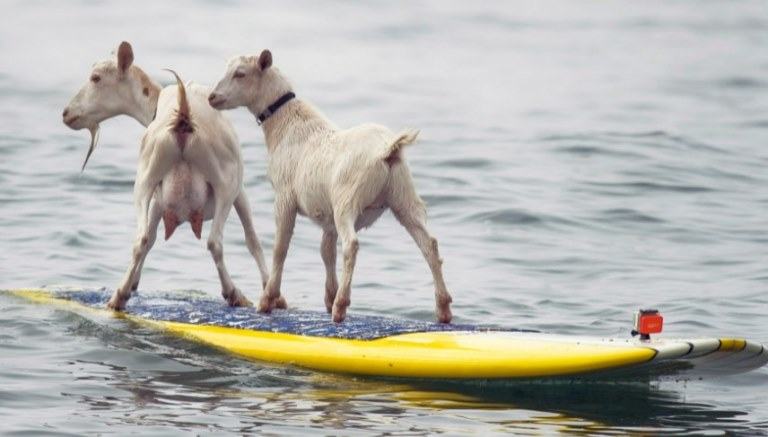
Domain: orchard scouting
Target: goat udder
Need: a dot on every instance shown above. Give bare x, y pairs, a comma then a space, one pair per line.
170, 221
196, 221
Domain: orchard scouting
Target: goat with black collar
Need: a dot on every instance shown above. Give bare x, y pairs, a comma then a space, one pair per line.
342, 179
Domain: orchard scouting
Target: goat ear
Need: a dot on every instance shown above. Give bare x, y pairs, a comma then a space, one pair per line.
124, 56
265, 60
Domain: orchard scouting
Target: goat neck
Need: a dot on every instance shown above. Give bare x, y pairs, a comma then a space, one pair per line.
143, 104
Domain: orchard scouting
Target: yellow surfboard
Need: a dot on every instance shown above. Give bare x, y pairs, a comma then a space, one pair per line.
379, 346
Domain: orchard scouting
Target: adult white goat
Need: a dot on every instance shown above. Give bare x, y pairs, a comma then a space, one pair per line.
342, 179
189, 169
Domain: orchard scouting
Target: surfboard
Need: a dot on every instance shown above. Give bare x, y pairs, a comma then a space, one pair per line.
389, 347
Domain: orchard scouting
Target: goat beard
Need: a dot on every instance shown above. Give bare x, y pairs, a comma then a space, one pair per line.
94, 130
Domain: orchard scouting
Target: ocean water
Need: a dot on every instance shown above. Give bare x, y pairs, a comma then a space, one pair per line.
579, 160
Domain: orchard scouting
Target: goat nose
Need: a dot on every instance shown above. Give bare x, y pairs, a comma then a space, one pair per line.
64, 114
212, 97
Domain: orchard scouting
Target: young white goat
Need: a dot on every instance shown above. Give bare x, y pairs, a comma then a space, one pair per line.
343, 180
189, 169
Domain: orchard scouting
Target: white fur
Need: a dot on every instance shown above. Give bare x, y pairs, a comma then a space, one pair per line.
206, 176
342, 179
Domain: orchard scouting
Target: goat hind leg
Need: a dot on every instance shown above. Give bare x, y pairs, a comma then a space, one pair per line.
243, 208
231, 294
414, 220
345, 225
154, 219
145, 239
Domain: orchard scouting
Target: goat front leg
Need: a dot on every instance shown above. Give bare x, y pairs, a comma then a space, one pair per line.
243, 208
145, 239
413, 218
328, 253
231, 294
345, 226
285, 219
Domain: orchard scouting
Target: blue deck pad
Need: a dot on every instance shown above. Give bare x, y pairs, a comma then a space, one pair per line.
201, 309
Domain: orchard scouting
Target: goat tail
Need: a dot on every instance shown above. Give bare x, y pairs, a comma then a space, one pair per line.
183, 122
392, 154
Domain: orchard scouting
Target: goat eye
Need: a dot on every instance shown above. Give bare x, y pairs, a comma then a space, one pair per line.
238, 75
95, 78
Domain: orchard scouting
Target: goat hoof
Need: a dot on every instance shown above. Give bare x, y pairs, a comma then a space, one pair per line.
444, 315
265, 305
116, 303
330, 297
339, 314
237, 299
280, 303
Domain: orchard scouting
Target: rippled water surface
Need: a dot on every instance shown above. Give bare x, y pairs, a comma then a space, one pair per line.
579, 160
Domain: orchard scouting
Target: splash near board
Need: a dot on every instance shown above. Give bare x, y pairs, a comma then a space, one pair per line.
389, 347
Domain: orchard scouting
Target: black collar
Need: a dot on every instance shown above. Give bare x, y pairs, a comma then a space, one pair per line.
271, 109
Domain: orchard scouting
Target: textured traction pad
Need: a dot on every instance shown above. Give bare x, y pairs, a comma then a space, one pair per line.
200, 309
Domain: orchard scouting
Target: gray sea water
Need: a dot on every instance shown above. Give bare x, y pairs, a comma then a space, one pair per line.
579, 160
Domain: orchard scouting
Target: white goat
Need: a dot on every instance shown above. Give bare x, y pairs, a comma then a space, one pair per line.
189, 169
343, 180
